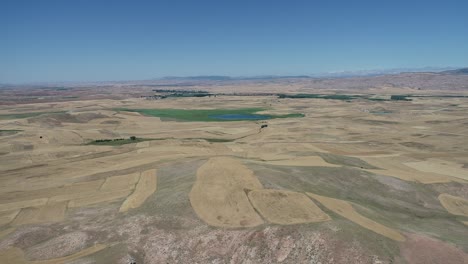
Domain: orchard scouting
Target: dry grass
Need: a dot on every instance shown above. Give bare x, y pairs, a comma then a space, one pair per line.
346, 210
454, 205
218, 195
145, 187
286, 207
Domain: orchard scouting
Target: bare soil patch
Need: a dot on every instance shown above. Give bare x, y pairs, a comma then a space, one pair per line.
59, 246
16, 256
419, 249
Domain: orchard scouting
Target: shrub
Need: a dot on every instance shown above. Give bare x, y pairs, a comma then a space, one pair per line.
399, 98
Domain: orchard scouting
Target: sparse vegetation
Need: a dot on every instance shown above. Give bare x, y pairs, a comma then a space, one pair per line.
7, 132
165, 93
118, 141
179, 91
400, 98
195, 94
133, 139
343, 97
377, 99
217, 140
320, 96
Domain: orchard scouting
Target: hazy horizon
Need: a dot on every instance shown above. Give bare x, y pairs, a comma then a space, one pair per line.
331, 74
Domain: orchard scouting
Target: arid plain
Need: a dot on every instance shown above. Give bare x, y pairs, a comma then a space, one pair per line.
328, 181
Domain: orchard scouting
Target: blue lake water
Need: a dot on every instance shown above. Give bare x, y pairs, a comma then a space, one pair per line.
239, 117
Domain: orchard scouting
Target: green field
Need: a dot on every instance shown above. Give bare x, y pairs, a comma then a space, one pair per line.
206, 115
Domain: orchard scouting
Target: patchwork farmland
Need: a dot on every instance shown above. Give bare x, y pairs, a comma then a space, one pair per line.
317, 179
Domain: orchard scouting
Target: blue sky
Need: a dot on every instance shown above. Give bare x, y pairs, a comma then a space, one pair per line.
128, 40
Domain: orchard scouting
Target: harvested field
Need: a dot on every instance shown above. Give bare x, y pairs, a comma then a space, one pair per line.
22, 204
45, 214
145, 187
346, 161
72, 196
302, 161
454, 205
218, 196
122, 182
398, 169
346, 210
286, 207
99, 197
57, 194
440, 167
8, 216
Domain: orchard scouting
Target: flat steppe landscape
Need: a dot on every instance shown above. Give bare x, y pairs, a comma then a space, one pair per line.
287, 170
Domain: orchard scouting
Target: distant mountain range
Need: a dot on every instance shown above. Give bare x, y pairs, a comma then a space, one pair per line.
432, 77
344, 74
229, 78
421, 79
461, 71
341, 74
